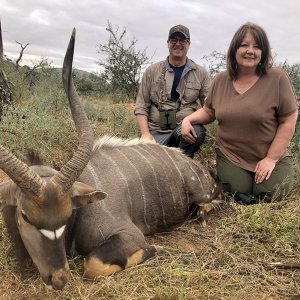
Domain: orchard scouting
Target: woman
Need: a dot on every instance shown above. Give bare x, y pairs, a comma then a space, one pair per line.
256, 109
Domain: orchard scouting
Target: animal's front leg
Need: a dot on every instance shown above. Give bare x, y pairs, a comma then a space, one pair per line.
119, 252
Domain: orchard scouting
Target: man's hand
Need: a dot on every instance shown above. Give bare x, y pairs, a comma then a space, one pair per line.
148, 137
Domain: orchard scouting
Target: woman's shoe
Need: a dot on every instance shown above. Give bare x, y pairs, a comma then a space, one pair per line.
245, 198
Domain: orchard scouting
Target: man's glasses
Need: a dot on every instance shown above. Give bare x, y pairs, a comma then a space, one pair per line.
182, 42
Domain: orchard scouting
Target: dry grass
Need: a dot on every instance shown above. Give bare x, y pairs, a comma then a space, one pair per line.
230, 258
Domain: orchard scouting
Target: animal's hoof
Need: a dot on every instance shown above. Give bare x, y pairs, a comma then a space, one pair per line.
149, 252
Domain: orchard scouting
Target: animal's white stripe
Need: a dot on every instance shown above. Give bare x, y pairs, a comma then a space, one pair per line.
149, 151
163, 161
60, 231
98, 185
141, 183
197, 175
52, 235
205, 180
123, 177
205, 177
167, 150
198, 178
156, 180
48, 234
97, 182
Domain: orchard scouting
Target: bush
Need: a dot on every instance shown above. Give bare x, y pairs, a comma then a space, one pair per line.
54, 138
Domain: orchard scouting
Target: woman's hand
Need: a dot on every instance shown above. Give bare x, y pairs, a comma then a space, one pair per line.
264, 169
202, 116
188, 132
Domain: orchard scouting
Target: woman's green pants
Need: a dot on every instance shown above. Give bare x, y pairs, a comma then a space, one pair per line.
235, 179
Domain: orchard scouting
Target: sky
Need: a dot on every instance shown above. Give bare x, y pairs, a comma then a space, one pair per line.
47, 25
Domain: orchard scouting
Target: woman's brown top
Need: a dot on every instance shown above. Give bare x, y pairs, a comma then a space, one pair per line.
247, 123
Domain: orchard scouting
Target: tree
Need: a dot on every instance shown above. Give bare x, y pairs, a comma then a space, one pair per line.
123, 64
5, 84
217, 62
90, 83
294, 73
21, 53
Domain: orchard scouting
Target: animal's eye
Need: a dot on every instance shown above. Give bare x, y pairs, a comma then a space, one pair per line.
25, 218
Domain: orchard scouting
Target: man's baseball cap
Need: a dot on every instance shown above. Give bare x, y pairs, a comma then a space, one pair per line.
181, 29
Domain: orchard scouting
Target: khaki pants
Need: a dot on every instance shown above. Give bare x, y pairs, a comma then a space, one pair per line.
235, 179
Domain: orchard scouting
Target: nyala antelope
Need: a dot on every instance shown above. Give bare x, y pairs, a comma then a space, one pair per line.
102, 202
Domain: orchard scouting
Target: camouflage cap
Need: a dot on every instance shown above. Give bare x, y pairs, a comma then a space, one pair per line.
181, 29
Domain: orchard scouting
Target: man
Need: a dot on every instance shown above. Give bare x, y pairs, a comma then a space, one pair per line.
170, 90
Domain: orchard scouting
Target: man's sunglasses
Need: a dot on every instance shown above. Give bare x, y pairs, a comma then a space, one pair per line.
181, 41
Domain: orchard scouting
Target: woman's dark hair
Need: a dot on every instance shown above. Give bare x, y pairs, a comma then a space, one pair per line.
262, 41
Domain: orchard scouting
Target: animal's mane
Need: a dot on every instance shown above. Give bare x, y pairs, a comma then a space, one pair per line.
108, 141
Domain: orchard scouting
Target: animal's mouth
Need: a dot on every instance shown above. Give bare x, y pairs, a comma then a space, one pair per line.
57, 280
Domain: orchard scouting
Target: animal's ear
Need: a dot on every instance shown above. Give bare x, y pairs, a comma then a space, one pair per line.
8, 190
83, 194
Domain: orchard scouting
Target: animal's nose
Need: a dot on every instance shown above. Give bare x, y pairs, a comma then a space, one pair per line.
59, 279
